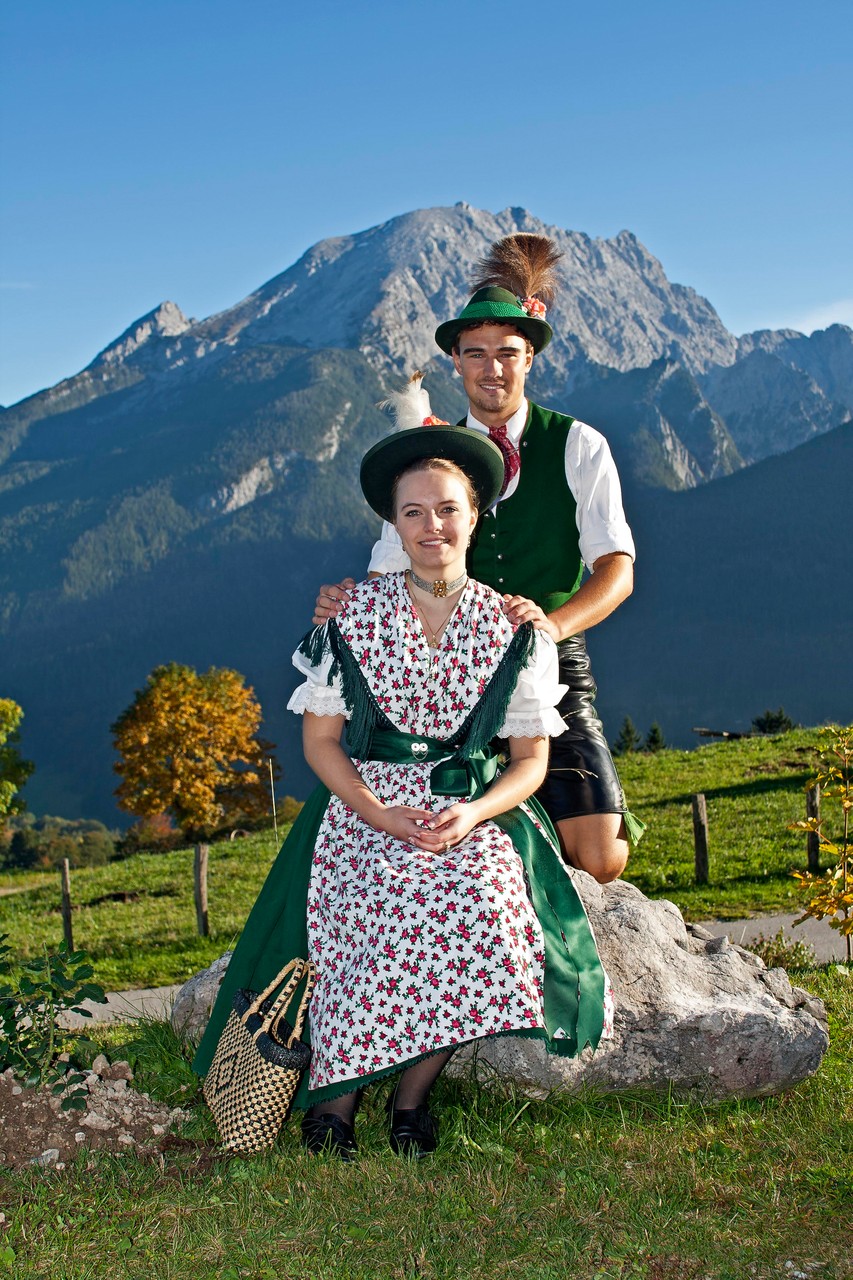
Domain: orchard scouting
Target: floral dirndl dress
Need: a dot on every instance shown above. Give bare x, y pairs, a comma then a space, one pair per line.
416, 952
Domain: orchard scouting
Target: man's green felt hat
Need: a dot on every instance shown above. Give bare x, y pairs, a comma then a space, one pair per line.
501, 307
473, 452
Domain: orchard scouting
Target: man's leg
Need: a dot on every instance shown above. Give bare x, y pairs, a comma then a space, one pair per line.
582, 793
595, 843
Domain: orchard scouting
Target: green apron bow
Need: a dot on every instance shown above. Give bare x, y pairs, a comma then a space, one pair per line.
453, 775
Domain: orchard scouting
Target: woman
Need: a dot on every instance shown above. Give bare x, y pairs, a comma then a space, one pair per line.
438, 909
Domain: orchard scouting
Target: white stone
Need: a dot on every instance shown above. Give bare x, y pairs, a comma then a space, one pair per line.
47, 1157
194, 1002
94, 1120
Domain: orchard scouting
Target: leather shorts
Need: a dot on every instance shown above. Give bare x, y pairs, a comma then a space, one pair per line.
582, 777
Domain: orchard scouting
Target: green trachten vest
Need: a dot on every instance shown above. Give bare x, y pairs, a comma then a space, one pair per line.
528, 544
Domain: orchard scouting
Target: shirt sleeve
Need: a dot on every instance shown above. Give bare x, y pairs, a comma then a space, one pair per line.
321, 692
532, 710
593, 479
388, 555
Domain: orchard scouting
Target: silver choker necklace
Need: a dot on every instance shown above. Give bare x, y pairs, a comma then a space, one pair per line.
440, 587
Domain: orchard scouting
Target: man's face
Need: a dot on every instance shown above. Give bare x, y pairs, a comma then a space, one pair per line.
493, 362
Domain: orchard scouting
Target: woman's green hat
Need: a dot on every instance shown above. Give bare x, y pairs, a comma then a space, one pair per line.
473, 452
498, 306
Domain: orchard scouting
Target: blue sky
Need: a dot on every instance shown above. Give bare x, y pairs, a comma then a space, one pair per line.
192, 149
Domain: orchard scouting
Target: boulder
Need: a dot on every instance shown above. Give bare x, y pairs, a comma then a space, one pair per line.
693, 1012
196, 998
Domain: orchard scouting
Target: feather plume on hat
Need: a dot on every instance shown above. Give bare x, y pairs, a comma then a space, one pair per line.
522, 263
411, 407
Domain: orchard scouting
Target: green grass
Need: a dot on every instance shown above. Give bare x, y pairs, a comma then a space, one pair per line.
595, 1188
754, 787
151, 939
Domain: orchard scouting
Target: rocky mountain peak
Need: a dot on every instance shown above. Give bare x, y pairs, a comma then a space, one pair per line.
383, 291
165, 321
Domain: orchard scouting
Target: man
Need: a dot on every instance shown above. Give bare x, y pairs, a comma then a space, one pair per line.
560, 509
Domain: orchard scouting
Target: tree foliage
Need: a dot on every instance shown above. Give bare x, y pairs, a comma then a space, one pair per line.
829, 896
773, 722
655, 741
44, 842
189, 747
14, 771
628, 740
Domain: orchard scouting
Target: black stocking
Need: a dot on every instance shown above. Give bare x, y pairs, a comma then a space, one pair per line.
343, 1107
416, 1081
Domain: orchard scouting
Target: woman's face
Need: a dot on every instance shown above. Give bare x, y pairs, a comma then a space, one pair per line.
434, 520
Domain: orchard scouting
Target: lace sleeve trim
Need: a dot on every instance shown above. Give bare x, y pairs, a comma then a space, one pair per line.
319, 700
547, 724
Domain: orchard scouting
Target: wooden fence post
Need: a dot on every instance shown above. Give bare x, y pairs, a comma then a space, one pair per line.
200, 885
700, 837
813, 839
67, 930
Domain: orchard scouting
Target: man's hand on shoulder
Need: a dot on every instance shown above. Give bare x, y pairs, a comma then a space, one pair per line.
519, 609
330, 599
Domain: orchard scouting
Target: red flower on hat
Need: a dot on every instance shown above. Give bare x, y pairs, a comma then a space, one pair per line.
433, 421
534, 307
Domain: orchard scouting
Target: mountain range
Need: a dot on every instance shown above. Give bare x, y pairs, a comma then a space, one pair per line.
181, 497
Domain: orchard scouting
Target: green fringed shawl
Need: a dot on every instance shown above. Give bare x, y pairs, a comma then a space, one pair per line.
477, 731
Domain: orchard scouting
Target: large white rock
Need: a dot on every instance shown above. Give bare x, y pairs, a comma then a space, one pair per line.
693, 1012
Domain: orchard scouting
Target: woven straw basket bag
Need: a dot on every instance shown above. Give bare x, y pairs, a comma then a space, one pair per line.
259, 1062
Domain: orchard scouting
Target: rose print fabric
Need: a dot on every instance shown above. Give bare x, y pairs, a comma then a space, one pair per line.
417, 952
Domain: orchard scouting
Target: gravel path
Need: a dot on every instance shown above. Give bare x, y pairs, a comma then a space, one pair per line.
827, 943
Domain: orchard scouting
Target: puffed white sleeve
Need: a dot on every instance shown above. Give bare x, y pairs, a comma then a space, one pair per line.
593, 479
321, 691
532, 710
388, 555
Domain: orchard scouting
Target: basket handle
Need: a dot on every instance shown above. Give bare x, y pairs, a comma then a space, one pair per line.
297, 965
310, 972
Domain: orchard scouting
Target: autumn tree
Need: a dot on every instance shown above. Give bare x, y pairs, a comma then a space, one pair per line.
14, 771
189, 747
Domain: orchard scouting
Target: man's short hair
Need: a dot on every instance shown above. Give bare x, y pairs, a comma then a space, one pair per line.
493, 324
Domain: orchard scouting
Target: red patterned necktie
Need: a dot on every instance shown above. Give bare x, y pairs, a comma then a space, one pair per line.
512, 462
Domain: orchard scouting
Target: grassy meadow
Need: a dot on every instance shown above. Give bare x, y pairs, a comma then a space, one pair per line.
566, 1188
136, 917
631, 1187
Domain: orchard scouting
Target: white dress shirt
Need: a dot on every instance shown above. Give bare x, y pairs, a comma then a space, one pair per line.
591, 476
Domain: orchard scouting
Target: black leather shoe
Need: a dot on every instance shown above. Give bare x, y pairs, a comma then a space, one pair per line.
413, 1133
328, 1135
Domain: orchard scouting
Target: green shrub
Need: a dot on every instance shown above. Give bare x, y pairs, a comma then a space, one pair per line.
780, 951
157, 834
33, 995
44, 842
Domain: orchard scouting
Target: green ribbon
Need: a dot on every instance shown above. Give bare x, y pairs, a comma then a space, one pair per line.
454, 775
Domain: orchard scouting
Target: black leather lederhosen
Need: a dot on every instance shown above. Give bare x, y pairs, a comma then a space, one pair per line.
582, 777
